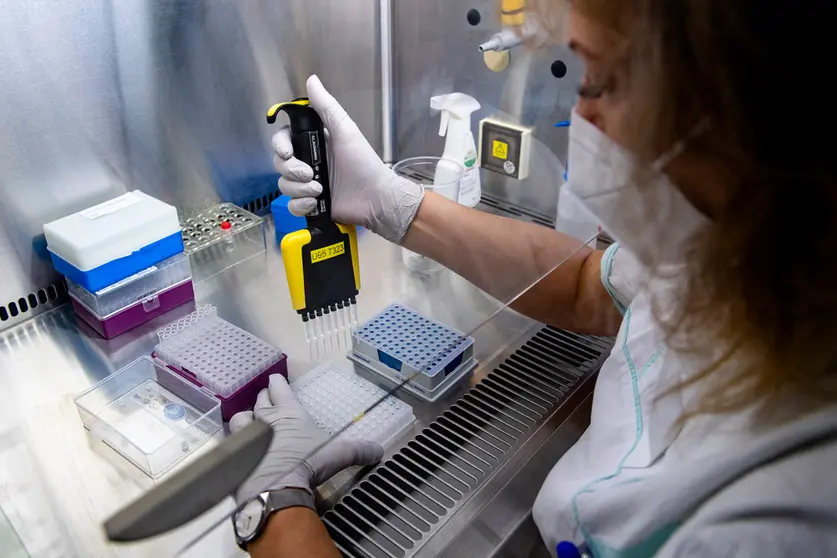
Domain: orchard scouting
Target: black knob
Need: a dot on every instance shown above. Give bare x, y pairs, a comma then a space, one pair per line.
474, 17
559, 69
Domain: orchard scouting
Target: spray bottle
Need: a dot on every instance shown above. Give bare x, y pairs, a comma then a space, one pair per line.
460, 145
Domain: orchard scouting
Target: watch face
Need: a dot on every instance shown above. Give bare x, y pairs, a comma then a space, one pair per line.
247, 520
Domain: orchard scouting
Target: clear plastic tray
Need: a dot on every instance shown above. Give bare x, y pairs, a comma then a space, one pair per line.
135, 289
214, 246
335, 398
149, 414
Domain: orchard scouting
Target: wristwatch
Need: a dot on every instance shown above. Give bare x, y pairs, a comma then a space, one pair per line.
251, 518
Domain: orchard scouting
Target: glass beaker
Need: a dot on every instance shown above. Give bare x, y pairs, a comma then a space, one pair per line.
442, 181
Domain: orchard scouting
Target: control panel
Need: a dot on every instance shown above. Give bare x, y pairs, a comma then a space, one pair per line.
505, 148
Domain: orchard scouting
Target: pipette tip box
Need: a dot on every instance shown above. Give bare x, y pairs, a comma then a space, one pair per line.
228, 362
337, 398
402, 345
150, 415
109, 242
135, 300
284, 222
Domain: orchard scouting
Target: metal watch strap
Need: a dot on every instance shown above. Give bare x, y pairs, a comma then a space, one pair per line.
289, 498
274, 501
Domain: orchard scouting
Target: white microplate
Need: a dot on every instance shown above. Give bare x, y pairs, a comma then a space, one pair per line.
222, 357
335, 398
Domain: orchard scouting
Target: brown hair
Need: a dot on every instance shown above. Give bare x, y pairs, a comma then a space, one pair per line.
761, 291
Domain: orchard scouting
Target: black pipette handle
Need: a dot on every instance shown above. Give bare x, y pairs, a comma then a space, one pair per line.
308, 140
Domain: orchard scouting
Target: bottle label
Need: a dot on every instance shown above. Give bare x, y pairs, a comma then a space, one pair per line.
470, 181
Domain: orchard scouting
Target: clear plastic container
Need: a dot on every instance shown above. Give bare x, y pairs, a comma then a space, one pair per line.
136, 288
149, 414
230, 362
221, 236
335, 398
135, 300
422, 170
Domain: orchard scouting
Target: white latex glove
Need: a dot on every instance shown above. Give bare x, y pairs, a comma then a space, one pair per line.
295, 435
364, 191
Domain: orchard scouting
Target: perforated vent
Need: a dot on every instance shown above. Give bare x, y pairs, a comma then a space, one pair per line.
261, 205
502, 207
55, 292
397, 507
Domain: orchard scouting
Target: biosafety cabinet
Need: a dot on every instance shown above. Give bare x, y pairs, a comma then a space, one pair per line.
167, 97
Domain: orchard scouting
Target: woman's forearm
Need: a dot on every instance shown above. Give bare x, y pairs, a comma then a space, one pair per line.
294, 532
504, 257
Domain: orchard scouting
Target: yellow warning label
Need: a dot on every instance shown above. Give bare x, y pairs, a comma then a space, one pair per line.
500, 150
322, 254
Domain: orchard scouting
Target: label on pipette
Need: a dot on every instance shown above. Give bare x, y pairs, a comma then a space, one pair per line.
328, 252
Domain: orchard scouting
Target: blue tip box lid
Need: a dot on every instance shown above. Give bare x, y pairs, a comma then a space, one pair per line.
282, 218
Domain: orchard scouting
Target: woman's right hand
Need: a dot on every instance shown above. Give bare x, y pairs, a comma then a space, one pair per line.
364, 190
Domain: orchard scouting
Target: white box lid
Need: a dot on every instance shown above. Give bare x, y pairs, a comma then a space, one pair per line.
111, 230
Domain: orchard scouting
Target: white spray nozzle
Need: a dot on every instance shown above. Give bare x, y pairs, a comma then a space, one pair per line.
455, 106
443, 124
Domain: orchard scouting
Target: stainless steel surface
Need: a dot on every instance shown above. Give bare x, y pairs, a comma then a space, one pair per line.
25, 305
387, 119
167, 96
430, 484
436, 52
192, 491
10, 545
57, 486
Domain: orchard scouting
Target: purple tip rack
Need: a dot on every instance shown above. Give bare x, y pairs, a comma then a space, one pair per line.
245, 397
136, 299
232, 364
137, 314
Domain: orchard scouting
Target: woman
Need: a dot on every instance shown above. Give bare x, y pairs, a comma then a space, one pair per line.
714, 423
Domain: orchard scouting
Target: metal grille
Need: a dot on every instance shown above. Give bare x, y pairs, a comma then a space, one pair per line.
20, 308
401, 503
500, 206
261, 205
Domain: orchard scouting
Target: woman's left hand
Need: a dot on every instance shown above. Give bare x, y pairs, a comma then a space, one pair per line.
293, 459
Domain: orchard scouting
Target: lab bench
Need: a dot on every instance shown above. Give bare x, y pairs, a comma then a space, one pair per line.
59, 485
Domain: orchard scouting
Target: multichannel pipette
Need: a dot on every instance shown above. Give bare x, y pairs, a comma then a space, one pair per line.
321, 261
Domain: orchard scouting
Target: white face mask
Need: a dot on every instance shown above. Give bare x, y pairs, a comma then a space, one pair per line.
652, 219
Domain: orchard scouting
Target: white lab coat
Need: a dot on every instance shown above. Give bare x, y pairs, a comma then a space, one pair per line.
635, 484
